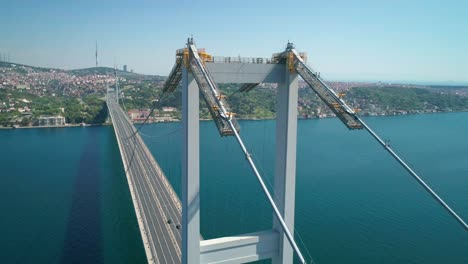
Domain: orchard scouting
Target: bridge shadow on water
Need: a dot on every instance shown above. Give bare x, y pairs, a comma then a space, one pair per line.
83, 236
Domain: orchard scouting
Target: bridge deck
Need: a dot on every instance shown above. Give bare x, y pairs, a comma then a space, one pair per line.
154, 199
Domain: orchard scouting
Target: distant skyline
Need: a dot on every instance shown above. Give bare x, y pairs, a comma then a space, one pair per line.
392, 41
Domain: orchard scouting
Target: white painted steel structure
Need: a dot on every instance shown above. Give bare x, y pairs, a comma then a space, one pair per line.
278, 243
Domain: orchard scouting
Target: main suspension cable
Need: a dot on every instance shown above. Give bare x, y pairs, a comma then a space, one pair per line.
346, 109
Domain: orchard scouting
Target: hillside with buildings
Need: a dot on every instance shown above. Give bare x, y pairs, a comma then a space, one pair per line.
35, 96
32, 96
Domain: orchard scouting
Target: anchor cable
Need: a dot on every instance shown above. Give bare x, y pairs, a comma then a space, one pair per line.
413, 173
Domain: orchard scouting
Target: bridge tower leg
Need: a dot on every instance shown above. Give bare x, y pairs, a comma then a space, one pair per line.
270, 244
285, 163
190, 170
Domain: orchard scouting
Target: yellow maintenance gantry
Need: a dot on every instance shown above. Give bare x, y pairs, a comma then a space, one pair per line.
196, 61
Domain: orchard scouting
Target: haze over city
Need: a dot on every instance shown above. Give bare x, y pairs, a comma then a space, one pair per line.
416, 41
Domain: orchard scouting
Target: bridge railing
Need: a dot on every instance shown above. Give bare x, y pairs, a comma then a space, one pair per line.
218, 59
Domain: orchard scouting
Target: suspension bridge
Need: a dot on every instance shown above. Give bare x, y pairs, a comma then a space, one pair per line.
170, 228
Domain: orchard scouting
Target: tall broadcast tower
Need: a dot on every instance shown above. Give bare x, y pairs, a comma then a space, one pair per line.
96, 55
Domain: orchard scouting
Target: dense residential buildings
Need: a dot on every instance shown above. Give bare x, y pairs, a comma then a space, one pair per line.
36, 96
48, 81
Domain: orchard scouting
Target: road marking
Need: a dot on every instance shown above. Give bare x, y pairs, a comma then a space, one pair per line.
149, 188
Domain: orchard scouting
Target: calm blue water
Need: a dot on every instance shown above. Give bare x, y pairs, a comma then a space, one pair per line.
64, 198
354, 203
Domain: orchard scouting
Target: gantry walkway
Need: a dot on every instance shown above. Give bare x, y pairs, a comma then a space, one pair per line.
157, 206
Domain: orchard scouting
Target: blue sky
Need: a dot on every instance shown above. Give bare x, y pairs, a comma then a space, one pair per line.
417, 41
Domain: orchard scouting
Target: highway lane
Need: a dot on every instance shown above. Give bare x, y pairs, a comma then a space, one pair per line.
169, 197
155, 199
149, 201
145, 222
147, 188
157, 179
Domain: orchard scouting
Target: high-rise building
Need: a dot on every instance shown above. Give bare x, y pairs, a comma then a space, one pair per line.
125, 68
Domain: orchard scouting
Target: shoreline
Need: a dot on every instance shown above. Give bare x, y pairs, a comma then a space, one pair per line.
61, 126
240, 119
